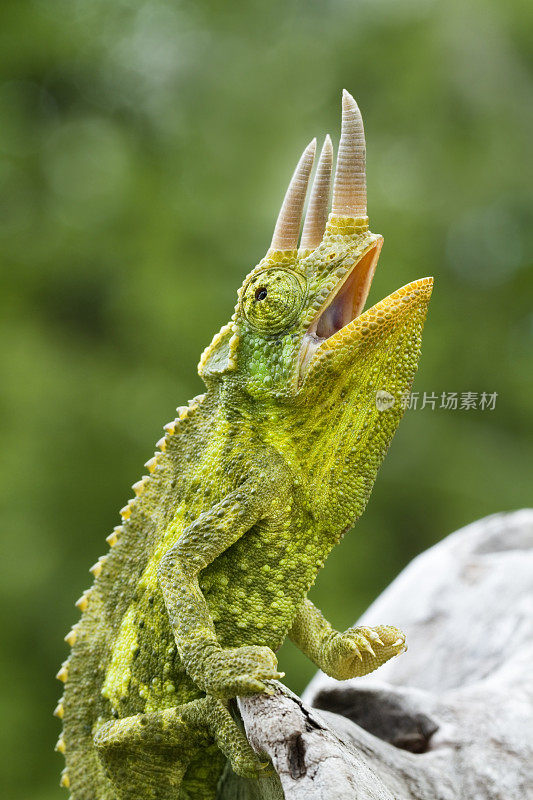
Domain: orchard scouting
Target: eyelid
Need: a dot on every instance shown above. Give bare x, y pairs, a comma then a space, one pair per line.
289, 290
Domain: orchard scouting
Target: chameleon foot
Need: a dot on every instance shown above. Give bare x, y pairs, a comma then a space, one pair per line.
361, 650
240, 671
215, 716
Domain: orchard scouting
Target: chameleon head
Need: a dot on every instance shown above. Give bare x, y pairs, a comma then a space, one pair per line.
331, 377
299, 317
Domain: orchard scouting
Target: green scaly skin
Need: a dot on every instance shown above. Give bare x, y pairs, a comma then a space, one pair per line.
254, 483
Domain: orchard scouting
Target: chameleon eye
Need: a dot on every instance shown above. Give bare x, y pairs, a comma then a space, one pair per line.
273, 299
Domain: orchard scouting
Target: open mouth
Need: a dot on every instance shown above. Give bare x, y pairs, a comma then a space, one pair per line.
345, 303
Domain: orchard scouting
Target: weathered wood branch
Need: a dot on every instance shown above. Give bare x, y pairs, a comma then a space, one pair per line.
452, 718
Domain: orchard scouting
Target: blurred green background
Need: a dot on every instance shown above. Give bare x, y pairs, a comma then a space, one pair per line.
145, 150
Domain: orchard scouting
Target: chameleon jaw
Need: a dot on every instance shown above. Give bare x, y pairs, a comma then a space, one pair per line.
344, 304
406, 306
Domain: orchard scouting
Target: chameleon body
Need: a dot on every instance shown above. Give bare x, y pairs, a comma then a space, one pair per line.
253, 484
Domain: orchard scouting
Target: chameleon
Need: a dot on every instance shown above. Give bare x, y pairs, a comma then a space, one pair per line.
250, 488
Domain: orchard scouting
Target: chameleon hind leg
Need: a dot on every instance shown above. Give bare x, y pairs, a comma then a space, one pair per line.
148, 756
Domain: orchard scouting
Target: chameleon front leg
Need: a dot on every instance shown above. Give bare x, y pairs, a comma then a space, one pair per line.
351, 654
220, 672
147, 755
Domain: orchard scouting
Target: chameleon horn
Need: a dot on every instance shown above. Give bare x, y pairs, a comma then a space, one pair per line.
317, 212
287, 230
349, 190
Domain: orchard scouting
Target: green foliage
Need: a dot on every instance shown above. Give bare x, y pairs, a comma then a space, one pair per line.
145, 150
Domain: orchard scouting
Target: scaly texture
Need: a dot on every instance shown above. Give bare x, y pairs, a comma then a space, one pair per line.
252, 485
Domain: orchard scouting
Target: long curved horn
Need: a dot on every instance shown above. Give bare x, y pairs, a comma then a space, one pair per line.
287, 230
317, 211
349, 190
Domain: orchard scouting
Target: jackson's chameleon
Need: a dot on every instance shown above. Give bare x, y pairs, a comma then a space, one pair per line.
252, 485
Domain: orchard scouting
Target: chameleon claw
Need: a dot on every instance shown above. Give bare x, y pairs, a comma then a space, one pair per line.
357, 651
370, 634
368, 647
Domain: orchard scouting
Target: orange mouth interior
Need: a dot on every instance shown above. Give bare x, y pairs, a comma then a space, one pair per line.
348, 301
345, 303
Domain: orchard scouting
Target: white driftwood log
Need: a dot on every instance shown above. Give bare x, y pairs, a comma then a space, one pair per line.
452, 719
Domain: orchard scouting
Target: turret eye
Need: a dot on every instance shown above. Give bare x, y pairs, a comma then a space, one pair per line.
272, 299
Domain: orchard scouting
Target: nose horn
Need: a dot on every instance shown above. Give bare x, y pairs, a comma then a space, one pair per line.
317, 212
287, 230
349, 190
